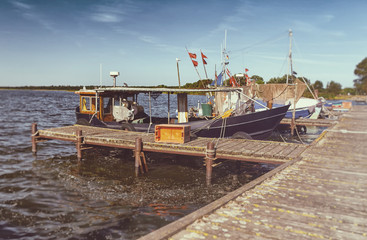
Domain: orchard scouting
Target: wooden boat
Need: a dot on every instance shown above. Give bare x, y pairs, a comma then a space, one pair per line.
117, 107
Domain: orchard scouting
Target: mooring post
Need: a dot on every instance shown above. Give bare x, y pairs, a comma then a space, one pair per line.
34, 139
79, 138
138, 148
210, 155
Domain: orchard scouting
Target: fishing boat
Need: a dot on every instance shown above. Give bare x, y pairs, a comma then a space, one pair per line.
231, 115
291, 93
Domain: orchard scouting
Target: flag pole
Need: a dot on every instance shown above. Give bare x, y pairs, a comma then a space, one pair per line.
216, 77
204, 64
194, 65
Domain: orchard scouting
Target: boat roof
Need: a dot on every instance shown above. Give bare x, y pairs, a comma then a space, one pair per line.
158, 90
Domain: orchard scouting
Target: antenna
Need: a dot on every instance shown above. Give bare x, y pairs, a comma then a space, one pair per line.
100, 74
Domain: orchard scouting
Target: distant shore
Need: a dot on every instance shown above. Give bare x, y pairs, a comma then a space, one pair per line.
76, 88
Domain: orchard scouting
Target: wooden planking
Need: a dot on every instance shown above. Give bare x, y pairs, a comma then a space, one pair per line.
236, 149
320, 196
310, 122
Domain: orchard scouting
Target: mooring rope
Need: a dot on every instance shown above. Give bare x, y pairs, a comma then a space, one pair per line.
150, 113
299, 135
222, 132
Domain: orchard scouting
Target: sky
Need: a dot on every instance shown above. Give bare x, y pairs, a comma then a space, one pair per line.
79, 42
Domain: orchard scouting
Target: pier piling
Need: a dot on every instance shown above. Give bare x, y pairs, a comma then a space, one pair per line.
210, 155
137, 152
33, 138
79, 138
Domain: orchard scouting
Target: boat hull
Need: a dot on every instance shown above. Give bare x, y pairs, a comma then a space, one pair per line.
258, 125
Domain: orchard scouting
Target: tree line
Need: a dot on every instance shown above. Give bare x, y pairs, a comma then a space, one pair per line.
331, 90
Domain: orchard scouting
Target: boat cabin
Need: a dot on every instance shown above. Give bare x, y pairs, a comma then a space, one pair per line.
120, 104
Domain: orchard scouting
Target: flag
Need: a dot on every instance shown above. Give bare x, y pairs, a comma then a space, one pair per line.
218, 79
195, 63
246, 70
203, 56
228, 73
233, 82
294, 73
192, 55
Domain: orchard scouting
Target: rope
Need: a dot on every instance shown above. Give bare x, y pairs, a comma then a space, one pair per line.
209, 151
238, 91
222, 132
281, 92
299, 135
35, 134
90, 120
150, 113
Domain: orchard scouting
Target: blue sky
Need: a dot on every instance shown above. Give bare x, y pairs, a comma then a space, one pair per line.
50, 42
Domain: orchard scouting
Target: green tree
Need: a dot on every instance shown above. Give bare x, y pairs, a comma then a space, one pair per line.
333, 88
361, 71
258, 79
279, 79
347, 91
318, 85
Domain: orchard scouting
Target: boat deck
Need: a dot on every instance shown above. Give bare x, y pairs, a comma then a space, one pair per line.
320, 195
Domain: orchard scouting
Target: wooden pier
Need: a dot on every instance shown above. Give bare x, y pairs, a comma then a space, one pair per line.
208, 148
310, 122
319, 195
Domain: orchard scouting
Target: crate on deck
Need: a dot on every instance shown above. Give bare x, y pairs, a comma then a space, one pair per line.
171, 133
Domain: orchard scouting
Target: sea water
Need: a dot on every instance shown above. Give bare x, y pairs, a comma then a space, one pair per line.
51, 196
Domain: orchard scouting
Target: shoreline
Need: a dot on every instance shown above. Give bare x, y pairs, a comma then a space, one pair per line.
71, 89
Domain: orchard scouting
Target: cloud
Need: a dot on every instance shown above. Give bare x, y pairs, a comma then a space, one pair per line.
29, 12
114, 12
106, 18
21, 5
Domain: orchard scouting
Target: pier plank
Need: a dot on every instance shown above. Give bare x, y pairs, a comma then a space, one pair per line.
321, 194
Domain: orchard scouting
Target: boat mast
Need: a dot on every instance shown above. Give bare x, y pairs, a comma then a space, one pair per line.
224, 55
290, 55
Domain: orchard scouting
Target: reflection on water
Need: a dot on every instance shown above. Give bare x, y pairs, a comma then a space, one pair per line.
51, 196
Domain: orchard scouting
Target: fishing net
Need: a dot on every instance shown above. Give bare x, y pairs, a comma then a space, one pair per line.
279, 93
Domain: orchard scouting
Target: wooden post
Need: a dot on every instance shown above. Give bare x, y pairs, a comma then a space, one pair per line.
79, 138
182, 108
210, 155
293, 122
138, 148
33, 138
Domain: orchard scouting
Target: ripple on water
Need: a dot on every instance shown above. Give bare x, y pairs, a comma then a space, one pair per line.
52, 196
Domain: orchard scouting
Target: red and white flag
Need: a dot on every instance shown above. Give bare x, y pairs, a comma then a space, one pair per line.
203, 56
192, 55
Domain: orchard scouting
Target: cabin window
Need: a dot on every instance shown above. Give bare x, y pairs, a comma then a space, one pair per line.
88, 103
107, 102
86, 106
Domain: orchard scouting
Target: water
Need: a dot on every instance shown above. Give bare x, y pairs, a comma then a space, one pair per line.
50, 196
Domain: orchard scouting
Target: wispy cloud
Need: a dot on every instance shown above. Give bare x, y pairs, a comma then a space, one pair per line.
107, 14
315, 28
21, 5
29, 12
112, 12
